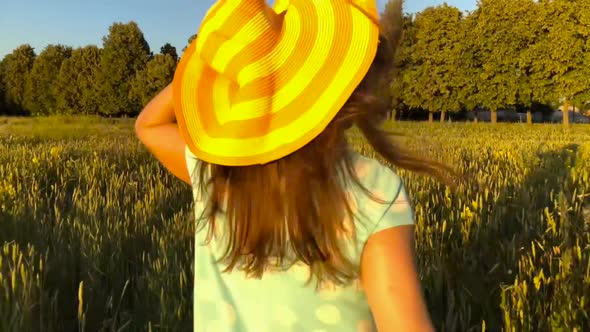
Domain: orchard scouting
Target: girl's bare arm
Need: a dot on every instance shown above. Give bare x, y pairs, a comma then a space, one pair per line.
391, 283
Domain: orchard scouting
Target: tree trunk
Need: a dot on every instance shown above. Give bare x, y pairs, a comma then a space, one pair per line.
475, 119
393, 115
494, 117
566, 113
529, 117
430, 117
442, 116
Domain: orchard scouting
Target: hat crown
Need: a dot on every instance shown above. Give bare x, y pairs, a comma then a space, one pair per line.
369, 7
263, 21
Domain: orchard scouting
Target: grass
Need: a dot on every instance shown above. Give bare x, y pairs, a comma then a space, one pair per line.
95, 235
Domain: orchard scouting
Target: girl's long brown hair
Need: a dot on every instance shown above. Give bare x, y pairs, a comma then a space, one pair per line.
293, 209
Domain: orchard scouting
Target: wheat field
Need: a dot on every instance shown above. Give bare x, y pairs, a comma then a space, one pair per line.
95, 235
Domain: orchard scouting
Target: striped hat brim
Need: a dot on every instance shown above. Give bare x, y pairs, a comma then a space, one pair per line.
255, 86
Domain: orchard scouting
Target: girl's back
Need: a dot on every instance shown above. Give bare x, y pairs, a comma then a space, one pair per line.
282, 300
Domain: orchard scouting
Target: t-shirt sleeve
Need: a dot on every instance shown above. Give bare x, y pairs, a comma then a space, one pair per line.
398, 213
393, 210
397, 209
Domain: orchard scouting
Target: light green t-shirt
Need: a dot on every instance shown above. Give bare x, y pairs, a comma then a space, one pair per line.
281, 300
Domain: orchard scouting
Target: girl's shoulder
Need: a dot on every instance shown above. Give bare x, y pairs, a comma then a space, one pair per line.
375, 175
393, 207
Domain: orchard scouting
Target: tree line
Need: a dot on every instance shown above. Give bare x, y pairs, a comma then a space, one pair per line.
506, 55
517, 55
115, 80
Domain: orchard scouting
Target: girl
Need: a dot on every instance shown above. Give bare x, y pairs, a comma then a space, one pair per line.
295, 230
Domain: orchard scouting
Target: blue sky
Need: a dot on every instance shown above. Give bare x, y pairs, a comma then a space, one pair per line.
83, 22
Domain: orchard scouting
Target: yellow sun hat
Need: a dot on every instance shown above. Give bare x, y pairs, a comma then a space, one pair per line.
259, 83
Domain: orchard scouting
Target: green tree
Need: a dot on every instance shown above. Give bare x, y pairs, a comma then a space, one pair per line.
469, 67
500, 35
17, 66
40, 89
402, 62
77, 83
428, 80
530, 30
3, 107
125, 52
169, 49
560, 59
158, 74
